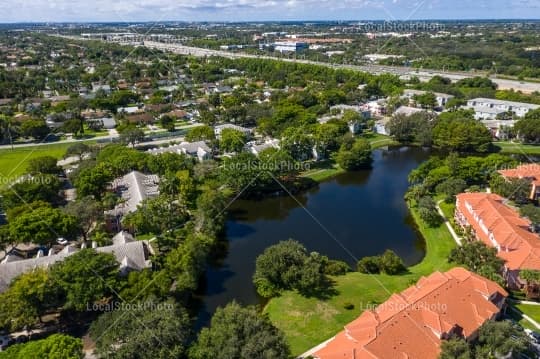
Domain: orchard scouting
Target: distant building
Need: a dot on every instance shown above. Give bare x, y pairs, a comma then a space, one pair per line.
289, 46
219, 128
486, 108
199, 149
132, 188
415, 322
130, 254
442, 98
257, 148
107, 123
407, 111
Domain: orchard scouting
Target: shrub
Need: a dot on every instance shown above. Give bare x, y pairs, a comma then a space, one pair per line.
334, 267
369, 265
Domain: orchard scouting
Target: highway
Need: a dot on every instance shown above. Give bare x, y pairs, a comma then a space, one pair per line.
423, 75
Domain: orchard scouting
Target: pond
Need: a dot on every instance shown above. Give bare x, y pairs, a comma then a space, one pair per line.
353, 215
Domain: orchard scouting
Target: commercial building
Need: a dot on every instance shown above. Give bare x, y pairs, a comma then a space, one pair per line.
289, 46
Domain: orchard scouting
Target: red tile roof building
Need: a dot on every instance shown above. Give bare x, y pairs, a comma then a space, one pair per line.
528, 171
500, 226
413, 323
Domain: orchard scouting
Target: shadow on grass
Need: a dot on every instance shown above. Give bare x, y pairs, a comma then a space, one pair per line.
324, 291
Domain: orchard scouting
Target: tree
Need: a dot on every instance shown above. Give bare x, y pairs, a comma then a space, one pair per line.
43, 165
85, 277
88, 211
283, 267
157, 215
427, 100
498, 339
240, 333
455, 348
200, 133
356, 157
531, 212
427, 209
78, 149
390, 263
35, 128
40, 187
515, 189
451, 187
74, 126
479, 258
528, 128
532, 279
232, 140
167, 122
145, 330
93, 181
209, 218
42, 225
186, 263
369, 265
461, 134
27, 299
131, 136
56, 346
298, 142
413, 128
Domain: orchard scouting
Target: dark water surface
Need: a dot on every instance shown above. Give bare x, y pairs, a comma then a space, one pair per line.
348, 217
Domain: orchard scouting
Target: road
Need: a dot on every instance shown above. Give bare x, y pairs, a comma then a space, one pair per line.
423, 75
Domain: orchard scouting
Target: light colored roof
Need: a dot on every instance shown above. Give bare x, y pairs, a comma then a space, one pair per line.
412, 324
500, 226
134, 253
504, 103
134, 188
219, 128
190, 148
407, 111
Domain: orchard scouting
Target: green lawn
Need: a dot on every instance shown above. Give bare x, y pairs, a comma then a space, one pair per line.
509, 147
532, 311
13, 163
307, 322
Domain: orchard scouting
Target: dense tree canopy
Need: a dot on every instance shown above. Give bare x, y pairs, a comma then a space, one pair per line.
240, 333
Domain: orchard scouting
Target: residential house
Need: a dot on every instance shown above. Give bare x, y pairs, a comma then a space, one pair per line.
197, 149
486, 108
130, 254
414, 323
530, 171
442, 98
407, 111
256, 148
219, 128
99, 87
500, 226
132, 189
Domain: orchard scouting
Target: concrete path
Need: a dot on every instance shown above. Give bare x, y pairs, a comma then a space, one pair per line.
448, 225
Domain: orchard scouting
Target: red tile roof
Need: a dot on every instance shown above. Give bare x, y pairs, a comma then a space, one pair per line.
413, 323
499, 226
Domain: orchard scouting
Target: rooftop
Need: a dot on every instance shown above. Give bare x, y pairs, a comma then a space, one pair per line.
413, 323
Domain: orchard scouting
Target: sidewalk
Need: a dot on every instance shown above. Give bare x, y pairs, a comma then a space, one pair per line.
448, 224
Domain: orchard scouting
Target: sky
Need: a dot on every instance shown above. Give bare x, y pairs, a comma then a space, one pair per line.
260, 10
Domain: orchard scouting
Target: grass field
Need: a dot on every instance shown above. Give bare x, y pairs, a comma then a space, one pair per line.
13, 163
307, 322
509, 147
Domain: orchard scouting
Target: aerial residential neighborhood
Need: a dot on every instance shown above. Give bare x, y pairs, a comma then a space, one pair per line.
225, 182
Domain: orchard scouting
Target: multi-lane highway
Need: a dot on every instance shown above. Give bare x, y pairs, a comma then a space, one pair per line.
423, 75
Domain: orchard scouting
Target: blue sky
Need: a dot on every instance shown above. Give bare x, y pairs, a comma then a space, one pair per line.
252, 10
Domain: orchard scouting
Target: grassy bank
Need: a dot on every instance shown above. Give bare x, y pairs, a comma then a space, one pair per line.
13, 163
307, 322
510, 147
